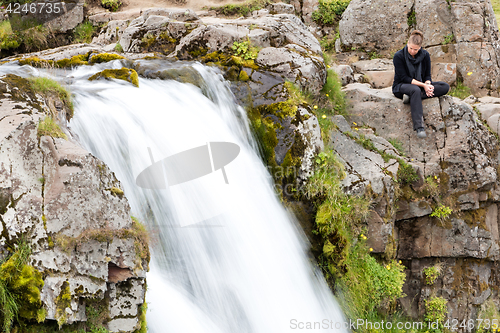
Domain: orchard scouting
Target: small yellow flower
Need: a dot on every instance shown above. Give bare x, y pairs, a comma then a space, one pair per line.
327, 66
371, 249
315, 106
355, 123
389, 268
324, 116
470, 73
327, 95
400, 262
412, 159
364, 237
435, 177
356, 129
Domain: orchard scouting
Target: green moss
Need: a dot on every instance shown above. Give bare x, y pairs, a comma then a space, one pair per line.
412, 18
335, 96
142, 319
460, 90
49, 127
329, 12
62, 302
406, 173
243, 76
435, 310
36, 62
20, 285
198, 52
77, 60
112, 5
432, 273
83, 32
119, 48
74, 61
475, 218
46, 86
117, 192
250, 63
104, 57
125, 74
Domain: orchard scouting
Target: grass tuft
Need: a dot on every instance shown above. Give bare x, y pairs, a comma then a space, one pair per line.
329, 12
49, 127
83, 32
336, 97
460, 90
243, 9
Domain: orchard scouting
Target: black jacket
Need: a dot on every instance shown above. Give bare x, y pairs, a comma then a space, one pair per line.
401, 73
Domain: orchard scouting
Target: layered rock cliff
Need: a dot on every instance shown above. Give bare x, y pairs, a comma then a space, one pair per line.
69, 207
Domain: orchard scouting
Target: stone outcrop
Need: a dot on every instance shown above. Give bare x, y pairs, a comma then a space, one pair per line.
456, 167
71, 208
462, 37
287, 50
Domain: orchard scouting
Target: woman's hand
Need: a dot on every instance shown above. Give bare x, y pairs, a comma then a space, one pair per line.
429, 90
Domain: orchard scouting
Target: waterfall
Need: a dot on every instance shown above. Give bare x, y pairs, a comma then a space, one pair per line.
225, 257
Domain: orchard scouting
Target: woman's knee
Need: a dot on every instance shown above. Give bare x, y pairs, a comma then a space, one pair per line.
442, 88
413, 89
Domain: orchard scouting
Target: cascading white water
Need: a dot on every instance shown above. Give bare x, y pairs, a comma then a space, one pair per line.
225, 257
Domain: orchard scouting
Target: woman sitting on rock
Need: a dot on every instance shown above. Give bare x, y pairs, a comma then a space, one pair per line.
412, 79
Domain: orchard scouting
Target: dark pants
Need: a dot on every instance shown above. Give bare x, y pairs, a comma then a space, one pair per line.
417, 94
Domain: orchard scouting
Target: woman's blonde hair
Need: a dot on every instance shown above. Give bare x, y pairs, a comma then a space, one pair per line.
416, 37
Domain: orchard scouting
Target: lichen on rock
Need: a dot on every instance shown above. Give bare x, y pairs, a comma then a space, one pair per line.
125, 74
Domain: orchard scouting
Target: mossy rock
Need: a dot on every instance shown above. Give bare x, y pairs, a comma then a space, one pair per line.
282, 146
243, 76
125, 74
104, 57
78, 60
163, 43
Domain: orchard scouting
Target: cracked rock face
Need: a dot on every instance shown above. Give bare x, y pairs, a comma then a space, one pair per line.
65, 201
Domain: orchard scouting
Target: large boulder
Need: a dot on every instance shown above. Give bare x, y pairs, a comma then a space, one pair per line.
70, 207
375, 24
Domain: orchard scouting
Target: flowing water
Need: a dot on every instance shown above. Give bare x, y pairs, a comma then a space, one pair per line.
225, 257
